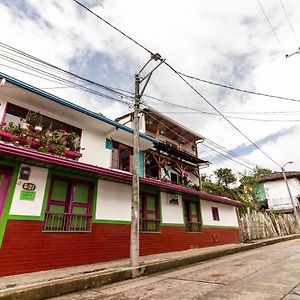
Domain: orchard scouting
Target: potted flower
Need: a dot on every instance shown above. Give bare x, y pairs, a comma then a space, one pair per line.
73, 146
4, 134
10, 132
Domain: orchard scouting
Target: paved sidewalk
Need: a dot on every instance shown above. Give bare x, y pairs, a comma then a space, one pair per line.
45, 284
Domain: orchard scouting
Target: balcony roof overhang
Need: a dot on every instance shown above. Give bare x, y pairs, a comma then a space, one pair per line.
174, 151
173, 130
47, 160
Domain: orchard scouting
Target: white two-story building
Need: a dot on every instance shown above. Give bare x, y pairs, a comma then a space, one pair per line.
65, 187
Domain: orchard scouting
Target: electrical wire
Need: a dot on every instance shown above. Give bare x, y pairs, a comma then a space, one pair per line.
53, 67
219, 146
290, 23
126, 103
114, 27
71, 84
238, 89
179, 75
221, 114
232, 117
232, 159
272, 28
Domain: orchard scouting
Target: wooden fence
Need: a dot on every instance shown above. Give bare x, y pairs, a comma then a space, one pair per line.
257, 225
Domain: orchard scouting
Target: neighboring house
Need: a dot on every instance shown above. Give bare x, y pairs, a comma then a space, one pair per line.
276, 192
65, 187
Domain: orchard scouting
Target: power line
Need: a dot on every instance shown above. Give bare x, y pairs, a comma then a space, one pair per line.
232, 159
238, 89
230, 152
221, 114
114, 27
215, 144
182, 78
53, 67
231, 117
57, 79
68, 86
272, 28
290, 23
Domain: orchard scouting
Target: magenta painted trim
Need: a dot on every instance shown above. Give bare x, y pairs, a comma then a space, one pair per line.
48, 158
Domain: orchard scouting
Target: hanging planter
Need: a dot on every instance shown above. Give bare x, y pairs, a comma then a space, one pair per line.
72, 154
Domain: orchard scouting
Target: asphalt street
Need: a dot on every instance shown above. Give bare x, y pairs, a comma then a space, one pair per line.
271, 272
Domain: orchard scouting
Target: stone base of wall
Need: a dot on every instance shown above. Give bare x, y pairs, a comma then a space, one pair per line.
26, 248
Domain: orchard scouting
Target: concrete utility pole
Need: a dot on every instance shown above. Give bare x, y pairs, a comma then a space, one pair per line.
290, 194
134, 234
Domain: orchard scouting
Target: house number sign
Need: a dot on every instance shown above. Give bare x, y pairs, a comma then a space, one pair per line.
28, 186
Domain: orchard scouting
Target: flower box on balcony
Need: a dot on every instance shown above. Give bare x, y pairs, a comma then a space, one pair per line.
72, 154
29, 142
6, 136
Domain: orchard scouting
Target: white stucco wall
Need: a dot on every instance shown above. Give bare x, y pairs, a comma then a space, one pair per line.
94, 151
227, 214
38, 176
171, 213
113, 201
277, 194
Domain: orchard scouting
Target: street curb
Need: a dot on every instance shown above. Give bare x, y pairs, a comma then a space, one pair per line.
96, 279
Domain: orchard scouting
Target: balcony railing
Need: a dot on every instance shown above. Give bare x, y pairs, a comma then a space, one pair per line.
193, 226
65, 222
148, 225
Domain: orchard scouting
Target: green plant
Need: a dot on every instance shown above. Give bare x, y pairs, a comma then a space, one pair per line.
73, 141
33, 118
15, 129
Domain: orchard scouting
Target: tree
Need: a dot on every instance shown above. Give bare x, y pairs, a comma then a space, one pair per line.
249, 184
225, 176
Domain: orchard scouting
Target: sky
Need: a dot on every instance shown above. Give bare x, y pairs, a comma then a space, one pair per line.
229, 42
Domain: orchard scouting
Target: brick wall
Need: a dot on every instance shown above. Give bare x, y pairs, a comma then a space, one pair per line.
26, 248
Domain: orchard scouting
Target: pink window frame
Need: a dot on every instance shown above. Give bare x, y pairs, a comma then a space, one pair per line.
189, 215
130, 152
144, 211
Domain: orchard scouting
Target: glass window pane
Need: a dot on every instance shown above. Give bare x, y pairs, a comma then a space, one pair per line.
56, 208
151, 216
80, 210
81, 194
150, 202
115, 158
59, 190
194, 208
